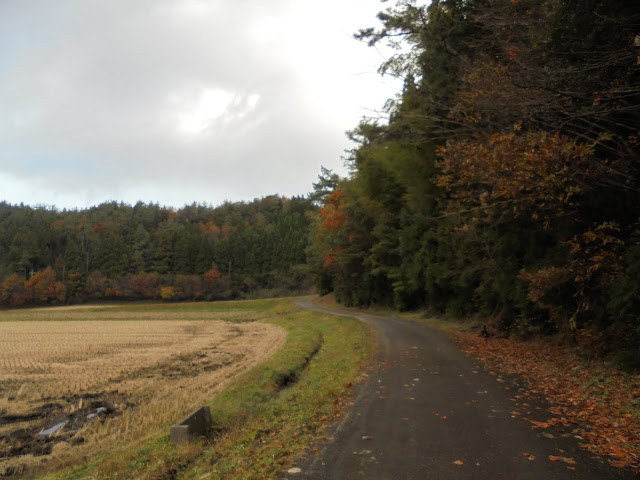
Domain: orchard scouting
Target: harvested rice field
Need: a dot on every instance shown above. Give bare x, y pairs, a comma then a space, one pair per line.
73, 381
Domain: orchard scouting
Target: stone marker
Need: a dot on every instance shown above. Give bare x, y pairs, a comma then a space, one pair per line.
193, 426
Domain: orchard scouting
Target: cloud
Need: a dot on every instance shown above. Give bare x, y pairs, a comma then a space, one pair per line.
178, 101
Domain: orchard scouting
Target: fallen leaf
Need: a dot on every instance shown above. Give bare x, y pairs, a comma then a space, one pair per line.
458, 462
575, 391
555, 458
531, 457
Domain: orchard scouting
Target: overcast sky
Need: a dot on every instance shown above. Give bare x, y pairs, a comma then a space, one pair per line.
179, 101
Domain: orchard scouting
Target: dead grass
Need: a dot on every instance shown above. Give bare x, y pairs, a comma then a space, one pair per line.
150, 368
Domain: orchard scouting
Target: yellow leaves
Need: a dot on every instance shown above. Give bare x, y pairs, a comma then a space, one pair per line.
458, 462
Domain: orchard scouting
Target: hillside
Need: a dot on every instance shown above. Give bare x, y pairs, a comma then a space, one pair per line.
118, 251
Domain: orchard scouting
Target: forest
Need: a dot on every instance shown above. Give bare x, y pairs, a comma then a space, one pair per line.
504, 182
117, 251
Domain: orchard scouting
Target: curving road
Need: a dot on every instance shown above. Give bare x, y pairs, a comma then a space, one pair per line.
427, 411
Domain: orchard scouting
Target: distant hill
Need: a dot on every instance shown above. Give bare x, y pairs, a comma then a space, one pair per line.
118, 251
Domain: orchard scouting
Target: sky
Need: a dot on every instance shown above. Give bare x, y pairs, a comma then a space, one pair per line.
180, 101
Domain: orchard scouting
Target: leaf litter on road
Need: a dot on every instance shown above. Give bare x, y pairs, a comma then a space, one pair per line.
601, 405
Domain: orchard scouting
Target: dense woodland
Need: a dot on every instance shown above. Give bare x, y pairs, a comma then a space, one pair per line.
117, 251
505, 182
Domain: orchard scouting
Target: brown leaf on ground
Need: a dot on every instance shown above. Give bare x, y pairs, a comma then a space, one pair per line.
594, 398
555, 458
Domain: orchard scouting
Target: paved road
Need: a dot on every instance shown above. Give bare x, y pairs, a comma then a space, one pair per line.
425, 405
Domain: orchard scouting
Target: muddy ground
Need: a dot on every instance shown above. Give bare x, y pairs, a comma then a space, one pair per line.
58, 420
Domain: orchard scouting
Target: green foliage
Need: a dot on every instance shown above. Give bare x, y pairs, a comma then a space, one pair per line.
506, 181
116, 251
268, 417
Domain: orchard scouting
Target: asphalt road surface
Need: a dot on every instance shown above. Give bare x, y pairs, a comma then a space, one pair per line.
428, 411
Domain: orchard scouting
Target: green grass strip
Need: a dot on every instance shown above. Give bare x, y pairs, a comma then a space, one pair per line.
269, 416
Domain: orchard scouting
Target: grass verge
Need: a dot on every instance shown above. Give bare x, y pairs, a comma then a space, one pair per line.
266, 418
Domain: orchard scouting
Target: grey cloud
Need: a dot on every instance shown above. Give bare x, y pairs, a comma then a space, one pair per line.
92, 94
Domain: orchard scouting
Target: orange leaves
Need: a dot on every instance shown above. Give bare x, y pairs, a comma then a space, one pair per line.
212, 279
545, 279
12, 291
593, 261
598, 398
210, 228
334, 217
331, 258
549, 423
43, 288
328, 234
529, 169
334, 220
227, 230
329, 262
336, 197
555, 458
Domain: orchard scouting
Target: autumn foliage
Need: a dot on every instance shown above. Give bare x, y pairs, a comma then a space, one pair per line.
505, 181
599, 405
122, 252
333, 212
41, 289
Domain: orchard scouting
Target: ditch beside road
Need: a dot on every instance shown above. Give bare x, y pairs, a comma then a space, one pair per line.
428, 411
